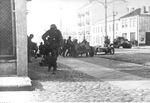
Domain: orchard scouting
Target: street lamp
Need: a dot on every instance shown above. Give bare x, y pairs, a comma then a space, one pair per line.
105, 5
105, 17
114, 14
60, 21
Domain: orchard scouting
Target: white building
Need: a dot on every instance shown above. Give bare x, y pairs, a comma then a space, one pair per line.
84, 23
136, 26
133, 25
98, 31
91, 22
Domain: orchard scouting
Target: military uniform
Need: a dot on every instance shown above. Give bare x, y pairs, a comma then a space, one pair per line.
29, 45
52, 41
69, 46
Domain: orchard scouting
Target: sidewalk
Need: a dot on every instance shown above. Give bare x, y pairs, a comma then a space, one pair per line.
141, 47
14, 83
114, 77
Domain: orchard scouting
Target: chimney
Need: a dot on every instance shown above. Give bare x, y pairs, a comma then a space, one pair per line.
143, 10
149, 9
132, 9
128, 9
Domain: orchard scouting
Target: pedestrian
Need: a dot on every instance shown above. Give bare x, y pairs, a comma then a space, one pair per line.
52, 41
29, 47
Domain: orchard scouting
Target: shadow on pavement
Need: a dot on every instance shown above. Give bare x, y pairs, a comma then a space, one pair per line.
40, 74
119, 69
141, 73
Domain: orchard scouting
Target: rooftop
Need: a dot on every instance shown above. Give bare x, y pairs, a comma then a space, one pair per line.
133, 13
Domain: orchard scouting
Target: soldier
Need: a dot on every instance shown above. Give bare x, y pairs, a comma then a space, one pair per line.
64, 47
107, 41
41, 49
30, 47
69, 46
52, 41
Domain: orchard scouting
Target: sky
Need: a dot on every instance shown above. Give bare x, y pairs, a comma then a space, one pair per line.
43, 13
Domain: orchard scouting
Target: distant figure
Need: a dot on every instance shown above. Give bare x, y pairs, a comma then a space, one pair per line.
69, 46
64, 47
41, 49
107, 41
52, 42
34, 49
30, 47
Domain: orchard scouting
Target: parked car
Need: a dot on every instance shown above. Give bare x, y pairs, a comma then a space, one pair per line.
121, 42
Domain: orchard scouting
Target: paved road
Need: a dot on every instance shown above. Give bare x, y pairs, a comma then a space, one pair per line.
117, 71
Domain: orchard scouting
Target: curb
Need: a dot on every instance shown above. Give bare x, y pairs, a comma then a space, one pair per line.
15, 84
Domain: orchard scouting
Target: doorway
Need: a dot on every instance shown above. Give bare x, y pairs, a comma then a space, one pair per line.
147, 38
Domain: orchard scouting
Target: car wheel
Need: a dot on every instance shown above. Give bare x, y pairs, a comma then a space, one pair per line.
112, 51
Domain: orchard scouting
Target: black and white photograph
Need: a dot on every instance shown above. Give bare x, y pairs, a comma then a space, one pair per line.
75, 51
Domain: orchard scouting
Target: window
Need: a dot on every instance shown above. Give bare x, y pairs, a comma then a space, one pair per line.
132, 36
126, 23
109, 27
134, 22
101, 29
98, 29
116, 26
130, 22
123, 23
124, 35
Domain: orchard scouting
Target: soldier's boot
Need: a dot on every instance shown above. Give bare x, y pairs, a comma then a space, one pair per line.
54, 69
49, 68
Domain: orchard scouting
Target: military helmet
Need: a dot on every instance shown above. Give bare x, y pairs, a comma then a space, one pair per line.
53, 26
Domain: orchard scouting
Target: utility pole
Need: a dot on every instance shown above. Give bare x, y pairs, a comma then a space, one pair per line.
105, 6
113, 21
60, 10
114, 14
105, 17
113, 25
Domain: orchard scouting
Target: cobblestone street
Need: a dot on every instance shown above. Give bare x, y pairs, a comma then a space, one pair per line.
69, 85
95, 51
134, 55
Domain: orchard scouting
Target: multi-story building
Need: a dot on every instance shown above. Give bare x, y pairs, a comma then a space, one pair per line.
88, 14
13, 43
91, 24
133, 24
84, 24
98, 31
136, 26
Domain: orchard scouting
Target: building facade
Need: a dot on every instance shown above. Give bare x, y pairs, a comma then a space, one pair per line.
98, 32
91, 24
83, 24
133, 24
13, 38
88, 15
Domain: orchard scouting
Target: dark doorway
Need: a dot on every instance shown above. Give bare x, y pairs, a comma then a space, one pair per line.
7, 39
147, 38
132, 36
